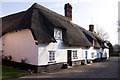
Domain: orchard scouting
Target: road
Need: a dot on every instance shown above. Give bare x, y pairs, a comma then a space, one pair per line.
105, 69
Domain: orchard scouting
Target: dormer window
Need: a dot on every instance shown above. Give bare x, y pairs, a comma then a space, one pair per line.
58, 34
106, 44
94, 42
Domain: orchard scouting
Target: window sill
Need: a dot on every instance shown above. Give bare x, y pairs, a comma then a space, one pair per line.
52, 62
75, 58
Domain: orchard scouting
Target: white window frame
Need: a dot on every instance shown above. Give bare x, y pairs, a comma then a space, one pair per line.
51, 56
58, 34
94, 42
75, 54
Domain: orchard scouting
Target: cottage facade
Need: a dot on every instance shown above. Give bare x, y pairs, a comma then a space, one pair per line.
42, 37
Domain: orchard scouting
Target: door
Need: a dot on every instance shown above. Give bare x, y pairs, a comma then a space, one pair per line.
69, 61
85, 56
101, 56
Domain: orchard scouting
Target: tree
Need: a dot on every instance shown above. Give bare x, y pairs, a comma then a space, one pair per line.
111, 51
104, 35
116, 49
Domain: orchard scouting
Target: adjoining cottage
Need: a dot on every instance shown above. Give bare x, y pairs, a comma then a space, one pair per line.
48, 40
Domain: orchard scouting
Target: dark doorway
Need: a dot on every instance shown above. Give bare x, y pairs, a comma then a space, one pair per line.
69, 52
101, 56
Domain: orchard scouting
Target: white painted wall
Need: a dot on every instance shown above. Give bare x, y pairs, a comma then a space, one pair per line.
61, 52
105, 53
20, 45
43, 54
99, 51
90, 51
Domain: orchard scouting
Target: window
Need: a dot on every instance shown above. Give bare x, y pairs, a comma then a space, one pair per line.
94, 42
92, 55
57, 35
75, 55
51, 56
97, 55
82, 54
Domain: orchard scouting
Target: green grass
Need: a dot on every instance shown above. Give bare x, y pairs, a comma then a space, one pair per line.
10, 72
114, 56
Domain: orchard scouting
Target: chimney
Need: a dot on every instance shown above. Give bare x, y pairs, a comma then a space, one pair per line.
68, 11
91, 27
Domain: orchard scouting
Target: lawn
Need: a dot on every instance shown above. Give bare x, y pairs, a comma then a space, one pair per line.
10, 72
115, 56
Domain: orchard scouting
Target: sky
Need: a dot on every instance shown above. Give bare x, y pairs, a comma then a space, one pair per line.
102, 13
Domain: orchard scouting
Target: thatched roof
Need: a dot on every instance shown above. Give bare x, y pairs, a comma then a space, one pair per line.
42, 21
90, 37
99, 40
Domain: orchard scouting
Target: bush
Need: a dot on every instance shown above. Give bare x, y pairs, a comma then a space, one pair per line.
23, 66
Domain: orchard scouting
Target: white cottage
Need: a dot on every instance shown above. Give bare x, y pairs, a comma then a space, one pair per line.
48, 40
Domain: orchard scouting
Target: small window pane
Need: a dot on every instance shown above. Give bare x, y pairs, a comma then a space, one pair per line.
51, 55
74, 54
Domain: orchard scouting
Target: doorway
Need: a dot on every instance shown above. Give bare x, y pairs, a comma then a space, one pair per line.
69, 61
85, 56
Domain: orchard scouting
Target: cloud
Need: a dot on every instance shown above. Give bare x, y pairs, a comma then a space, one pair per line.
57, 5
